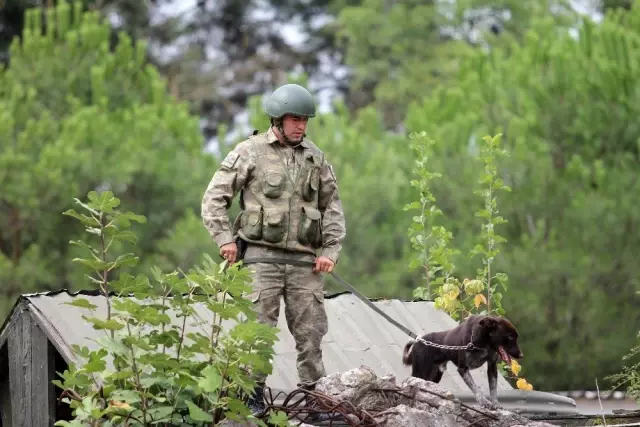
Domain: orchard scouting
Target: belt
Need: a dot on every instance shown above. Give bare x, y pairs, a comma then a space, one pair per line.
344, 283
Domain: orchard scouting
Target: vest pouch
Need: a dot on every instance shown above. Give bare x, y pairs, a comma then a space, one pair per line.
274, 226
273, 184
309, 227
251, 221
310, 184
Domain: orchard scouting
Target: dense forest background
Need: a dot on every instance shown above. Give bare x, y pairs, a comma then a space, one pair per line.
151, 121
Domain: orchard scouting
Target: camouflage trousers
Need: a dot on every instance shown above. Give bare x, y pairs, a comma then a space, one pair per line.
302, 292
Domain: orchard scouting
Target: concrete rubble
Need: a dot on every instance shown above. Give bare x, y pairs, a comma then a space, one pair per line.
382, 401
412, 402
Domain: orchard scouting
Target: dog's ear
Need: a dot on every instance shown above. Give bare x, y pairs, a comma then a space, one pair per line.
488, 322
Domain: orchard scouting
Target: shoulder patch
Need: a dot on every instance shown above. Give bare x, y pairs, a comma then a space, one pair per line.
230, 160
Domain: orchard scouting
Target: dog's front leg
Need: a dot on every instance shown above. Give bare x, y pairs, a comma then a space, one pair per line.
492, 377
482, 400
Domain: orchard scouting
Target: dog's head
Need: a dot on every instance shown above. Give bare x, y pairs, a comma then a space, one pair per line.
502, 336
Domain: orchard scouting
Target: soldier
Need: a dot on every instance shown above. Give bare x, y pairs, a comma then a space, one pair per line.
290, 208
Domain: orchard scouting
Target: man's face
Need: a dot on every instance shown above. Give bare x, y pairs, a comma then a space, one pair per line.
294, 127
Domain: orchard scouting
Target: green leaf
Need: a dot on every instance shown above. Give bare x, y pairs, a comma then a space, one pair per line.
129, 396
211, 380
198, 414
278, 418
412, 205
82, 244
86, 220
95, 365
82, 303
124, 219
125, 260
87, 207
103, 201
160, 413
123, 236
94, 264
99, 324
167, 338
238, 406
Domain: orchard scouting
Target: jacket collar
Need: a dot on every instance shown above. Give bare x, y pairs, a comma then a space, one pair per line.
272, 137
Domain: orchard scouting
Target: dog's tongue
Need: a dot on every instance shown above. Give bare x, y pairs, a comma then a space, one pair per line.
503, 354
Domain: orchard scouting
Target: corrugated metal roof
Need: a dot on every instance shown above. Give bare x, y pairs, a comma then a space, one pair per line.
594, 395
357, 336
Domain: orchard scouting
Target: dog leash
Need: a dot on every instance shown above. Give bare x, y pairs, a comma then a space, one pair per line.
345, 284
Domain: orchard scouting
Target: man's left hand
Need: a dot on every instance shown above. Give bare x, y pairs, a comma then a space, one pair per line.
323, 264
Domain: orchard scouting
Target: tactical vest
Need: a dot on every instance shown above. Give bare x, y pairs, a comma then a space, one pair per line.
278, 209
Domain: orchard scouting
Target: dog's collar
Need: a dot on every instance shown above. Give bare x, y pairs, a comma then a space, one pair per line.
472, 346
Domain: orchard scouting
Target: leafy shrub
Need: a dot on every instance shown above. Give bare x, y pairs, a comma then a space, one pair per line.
166, 352
629, 375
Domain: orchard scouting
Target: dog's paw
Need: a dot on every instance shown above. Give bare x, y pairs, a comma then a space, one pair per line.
488, 404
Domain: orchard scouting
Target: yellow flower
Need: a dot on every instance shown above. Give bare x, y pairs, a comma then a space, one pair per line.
515, 367
479, 299
522, 384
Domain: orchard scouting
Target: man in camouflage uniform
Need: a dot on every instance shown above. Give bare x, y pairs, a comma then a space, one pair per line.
291, 208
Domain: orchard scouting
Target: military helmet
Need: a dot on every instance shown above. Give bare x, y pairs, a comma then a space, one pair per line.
290, 99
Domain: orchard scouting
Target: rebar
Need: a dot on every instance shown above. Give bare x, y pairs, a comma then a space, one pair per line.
316, 403
305, 406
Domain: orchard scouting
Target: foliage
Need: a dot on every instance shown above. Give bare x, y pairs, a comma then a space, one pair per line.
460, 300
629, 374
95, 115
77, 116
396, 52
566, 106
487, 248
242, 43
399, 52
432, 257
457, 299
169, 357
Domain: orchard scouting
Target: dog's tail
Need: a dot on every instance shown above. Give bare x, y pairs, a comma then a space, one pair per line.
407, 358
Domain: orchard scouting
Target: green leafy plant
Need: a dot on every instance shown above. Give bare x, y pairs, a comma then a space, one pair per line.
629, 375
483, 294
165, 350
488, 248
433, 251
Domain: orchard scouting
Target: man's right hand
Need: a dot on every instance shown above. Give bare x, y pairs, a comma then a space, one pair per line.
229, 252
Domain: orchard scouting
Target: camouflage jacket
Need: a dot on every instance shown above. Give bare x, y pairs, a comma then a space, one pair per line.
293, 208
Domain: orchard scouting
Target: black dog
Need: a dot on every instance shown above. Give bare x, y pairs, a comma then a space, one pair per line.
492, 337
